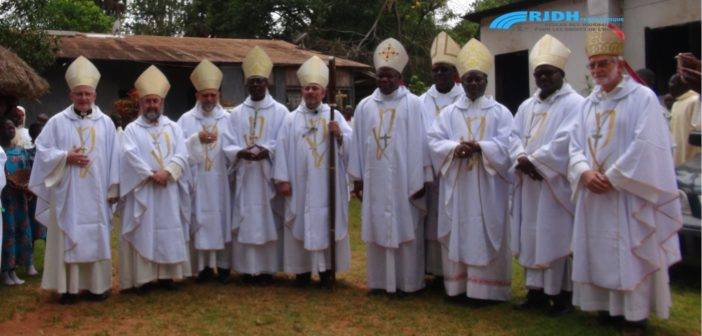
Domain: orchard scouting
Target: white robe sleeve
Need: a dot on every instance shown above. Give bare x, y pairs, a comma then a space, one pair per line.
496, 150
578, 163
133, 171
440, 144
357, 145
551, 159
284, 148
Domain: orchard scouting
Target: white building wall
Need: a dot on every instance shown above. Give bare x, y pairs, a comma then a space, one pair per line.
506, 41
639, 14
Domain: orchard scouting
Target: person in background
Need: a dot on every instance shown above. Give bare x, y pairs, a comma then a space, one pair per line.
17, 233
22, 137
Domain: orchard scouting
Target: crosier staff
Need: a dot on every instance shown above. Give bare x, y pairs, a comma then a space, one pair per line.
331, 99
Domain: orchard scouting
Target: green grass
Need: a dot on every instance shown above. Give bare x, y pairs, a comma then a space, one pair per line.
281, 309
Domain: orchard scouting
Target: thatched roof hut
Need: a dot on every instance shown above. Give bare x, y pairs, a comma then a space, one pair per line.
18, 79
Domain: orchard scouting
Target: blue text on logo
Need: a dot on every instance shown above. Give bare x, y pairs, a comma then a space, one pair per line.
506, 21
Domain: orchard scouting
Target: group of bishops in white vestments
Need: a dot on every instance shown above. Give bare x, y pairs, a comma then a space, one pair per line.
581, 191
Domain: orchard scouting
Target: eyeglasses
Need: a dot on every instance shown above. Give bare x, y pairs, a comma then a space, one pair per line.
600, 64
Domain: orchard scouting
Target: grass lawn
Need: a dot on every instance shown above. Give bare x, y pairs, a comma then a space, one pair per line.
281, 309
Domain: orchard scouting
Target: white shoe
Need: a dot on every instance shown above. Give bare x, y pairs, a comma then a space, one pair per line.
7, 280
17, 280
32, 271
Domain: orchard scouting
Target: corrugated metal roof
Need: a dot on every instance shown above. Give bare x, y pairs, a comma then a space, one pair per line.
143, 48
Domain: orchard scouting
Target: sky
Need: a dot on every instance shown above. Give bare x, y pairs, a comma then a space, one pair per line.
459, 7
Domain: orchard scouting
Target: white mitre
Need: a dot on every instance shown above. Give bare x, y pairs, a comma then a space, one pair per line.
206, 76
152, 82
313, 71
390, 54
444, 49
474, 56
257, 64
549, 50
82, 72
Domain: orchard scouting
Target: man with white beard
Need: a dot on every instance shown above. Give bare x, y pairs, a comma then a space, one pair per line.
444, 92
386, 163
302, 175
250, 143
154, 185
211, 195
627, 210
75, 177
542, 213
470, 148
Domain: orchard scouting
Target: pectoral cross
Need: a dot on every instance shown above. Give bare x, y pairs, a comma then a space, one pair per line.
385, 139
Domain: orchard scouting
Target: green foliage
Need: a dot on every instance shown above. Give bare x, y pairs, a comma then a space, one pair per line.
21, 32
24, 22
76, 15
157, 17
416, 85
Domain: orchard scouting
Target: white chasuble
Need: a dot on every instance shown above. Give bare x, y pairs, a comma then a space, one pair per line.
473, 197
72, 200
302, 158
386, 153
542, 213
211, 193
155, 219
433, 102
624, 240
257, 214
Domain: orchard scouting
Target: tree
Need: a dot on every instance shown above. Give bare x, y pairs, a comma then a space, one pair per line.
465, 30
157, 17
20, 32
76, 15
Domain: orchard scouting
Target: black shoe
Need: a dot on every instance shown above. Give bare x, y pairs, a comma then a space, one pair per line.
167, 284
376, 292
605, 319
637, 328
480, 303
303, 279
325, 279
205, 275
144, 289
223, 275
263, 279
459, 299
98, 297
68, 299
562, 304
536, 299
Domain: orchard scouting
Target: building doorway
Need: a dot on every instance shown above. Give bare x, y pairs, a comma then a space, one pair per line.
662, 44
512, 79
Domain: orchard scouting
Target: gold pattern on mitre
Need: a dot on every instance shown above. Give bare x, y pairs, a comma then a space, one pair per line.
257, 64
313, 71
390, 54
444, 49
82, 72
603, 42
549, 50
152, 82
206, 76
474, 56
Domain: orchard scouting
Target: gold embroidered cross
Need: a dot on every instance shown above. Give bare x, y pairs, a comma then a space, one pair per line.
91, 138
256, 126
378, 133
609, 117
209, 163
388, 53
